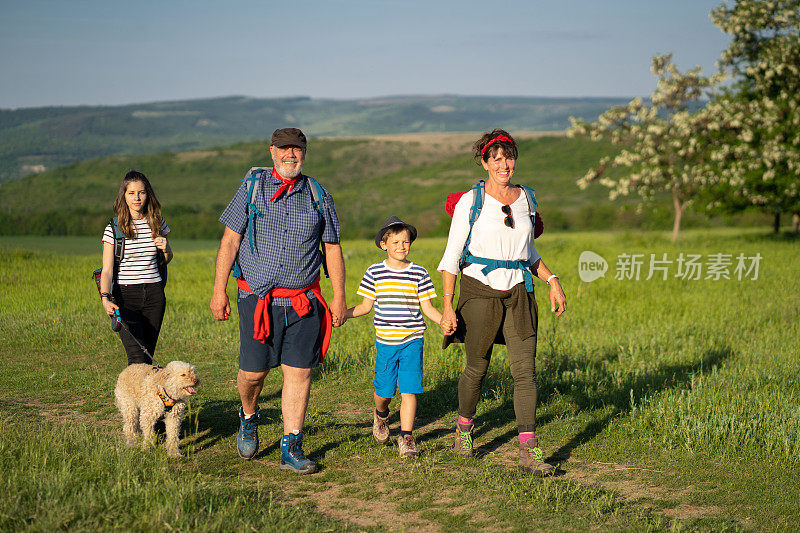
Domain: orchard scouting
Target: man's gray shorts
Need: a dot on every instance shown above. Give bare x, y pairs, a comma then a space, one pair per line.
294, 341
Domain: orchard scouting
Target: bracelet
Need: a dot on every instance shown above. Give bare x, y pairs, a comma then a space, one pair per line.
550, 277
105, 295
449, 294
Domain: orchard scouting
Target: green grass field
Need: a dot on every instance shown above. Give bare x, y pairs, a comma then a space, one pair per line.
668, 405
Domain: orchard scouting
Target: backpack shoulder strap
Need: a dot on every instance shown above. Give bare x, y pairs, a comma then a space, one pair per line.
253, 178
533, 205
119, 241
478, 196
317, 194
318, 199
119, 246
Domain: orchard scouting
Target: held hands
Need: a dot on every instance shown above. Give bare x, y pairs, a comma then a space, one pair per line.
449, 322
338, 309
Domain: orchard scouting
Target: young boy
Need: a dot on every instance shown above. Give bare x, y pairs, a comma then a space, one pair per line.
399, 289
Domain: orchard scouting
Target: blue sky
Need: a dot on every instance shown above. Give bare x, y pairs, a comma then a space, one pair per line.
57, 52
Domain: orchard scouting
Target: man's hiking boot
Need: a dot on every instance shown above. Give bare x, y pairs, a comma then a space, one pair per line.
531, 459
247, 441
463, 445
407, 446
292, 456
380, 428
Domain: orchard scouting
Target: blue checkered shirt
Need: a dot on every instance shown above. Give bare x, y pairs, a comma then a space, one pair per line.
286, 237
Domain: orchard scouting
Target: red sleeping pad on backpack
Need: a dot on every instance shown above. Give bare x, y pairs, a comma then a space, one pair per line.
454, 197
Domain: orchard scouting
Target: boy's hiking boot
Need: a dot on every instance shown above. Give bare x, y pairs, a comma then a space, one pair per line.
531, 459
463, 445
407, 446
292, 456
247, 441
380, 428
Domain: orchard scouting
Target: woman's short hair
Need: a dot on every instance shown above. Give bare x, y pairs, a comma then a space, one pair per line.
492, 142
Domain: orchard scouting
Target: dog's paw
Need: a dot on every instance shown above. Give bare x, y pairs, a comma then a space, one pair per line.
174, 453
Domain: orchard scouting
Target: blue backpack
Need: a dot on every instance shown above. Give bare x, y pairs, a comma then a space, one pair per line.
253, 178
478, 196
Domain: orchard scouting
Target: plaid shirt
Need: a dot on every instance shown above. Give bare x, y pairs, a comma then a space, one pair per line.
286, 237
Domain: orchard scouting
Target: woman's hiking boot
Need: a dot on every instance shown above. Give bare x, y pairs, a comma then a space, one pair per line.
407, 446
463, 445
380, 428
531, 459
247, 441
292, 456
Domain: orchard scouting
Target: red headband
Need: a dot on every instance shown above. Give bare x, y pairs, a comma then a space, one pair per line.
498, 138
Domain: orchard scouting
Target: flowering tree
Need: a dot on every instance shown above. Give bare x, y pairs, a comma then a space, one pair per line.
758, 117
664, 143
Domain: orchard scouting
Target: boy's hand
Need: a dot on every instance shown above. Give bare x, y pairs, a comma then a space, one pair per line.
338, 309
449, 322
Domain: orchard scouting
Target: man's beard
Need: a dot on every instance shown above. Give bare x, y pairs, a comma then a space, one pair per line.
285, 171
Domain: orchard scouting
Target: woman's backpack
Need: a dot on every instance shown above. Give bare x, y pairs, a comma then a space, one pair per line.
119, 253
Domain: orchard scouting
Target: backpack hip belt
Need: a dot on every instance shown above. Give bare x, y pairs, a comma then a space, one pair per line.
494, 264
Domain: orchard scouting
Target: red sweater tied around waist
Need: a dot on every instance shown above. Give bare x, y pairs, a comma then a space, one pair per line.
300, 303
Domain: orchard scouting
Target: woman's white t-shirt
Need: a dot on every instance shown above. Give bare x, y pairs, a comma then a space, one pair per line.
491, 239
138, 263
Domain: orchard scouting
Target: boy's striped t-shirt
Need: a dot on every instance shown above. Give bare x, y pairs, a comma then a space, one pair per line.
397, 295
138, 263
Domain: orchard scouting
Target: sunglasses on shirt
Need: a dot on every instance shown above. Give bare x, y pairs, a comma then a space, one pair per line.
509, 220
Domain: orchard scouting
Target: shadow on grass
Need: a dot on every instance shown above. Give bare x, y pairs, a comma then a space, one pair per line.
594, 385
221, 418
630, 391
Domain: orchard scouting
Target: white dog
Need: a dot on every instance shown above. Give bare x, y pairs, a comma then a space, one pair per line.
144, 393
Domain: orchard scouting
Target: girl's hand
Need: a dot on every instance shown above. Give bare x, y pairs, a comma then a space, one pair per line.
109, 306
161, 243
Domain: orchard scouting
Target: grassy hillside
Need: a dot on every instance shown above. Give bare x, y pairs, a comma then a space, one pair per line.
370, 178
32, 140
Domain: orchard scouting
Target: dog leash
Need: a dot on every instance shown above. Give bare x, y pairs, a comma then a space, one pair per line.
117, 324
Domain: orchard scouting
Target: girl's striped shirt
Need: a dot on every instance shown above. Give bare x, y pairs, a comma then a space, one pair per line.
397, 295
138, 263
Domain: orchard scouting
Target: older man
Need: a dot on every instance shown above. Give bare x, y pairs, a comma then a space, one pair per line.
283, 319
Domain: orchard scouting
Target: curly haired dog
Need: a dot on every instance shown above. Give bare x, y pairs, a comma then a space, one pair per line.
144, 393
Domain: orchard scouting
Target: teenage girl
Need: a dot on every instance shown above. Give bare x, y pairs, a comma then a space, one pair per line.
138, 290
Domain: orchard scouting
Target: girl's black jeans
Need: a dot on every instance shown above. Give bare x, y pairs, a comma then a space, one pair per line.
142, 308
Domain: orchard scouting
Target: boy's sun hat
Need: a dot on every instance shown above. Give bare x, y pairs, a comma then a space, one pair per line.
391, 222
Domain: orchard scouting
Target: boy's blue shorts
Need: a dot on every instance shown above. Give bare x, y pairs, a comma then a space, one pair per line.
398, 365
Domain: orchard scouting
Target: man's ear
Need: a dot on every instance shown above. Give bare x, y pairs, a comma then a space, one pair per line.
383, 245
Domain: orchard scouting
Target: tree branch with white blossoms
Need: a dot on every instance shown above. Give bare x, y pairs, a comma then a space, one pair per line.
663, 144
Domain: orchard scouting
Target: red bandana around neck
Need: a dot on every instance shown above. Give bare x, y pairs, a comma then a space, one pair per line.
288, 185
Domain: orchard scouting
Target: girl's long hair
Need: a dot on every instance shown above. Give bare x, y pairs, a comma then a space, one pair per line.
152, 207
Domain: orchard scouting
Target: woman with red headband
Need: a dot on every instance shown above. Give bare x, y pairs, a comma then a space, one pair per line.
491, 244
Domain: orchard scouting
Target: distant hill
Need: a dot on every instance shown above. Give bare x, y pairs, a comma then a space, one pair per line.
370, 177
37, 139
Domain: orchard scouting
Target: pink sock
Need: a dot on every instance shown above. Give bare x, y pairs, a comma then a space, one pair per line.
524, 437
464, 421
